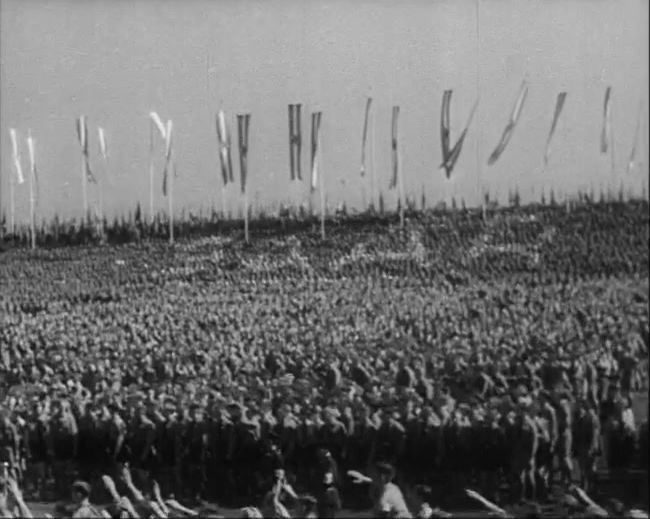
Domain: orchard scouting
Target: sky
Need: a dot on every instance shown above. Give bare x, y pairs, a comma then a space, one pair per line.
115, 61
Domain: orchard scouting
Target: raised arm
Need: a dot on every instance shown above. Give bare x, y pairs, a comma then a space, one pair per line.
486, 503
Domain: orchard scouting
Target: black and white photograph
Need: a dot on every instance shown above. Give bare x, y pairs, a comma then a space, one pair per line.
324, 258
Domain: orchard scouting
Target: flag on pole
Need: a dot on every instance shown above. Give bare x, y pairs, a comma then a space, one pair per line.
315, 145
604, 134
159, 124
450, 156
101, 137
32, 161
15, 155
295, 141
445, 125
168, 154
632, 161
364, 137
510, 127
82, 133
243, 123
224, 149
559, 104
394, 144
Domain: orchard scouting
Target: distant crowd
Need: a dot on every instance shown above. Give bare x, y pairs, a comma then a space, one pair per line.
502, 354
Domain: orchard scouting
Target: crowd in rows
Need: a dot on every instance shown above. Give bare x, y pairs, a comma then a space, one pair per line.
499, 354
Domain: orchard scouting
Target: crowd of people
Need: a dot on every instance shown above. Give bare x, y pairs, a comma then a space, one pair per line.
502, 354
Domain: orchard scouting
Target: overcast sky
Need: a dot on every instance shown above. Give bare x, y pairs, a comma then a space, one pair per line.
114, 61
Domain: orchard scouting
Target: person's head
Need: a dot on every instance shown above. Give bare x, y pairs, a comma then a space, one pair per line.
80, 491
615, 508
386, 472
328, 479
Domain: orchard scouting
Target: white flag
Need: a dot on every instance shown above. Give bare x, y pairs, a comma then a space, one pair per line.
159, 124
16, 156
102, 142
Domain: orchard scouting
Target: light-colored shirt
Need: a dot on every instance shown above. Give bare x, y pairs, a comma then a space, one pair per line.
392, 502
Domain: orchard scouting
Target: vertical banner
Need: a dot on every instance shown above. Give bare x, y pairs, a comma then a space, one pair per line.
33, 184
224, 149
82, 133
510, 127
606, 130
315, 145
364, 136
450, 156
15, 156
295, 141
101, 137
154, 121
631, 163
168, 155
243, 122
445, 124
394, 148
559, 105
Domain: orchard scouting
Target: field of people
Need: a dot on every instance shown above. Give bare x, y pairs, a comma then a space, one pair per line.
507, 355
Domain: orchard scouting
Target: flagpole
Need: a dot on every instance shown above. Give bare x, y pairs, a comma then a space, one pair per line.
151, 208
246, 215
372, 160
31, 207
12, 207
170, 200
84, 188
223, 202
479, 184
321, 183
400, 181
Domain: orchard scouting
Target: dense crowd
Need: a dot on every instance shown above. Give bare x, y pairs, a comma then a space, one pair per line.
502, 354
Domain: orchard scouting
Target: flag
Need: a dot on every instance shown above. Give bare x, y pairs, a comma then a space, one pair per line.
224, 148
559, 104
168, 154
15, 155
445, 125
32, 160
82, 133
604, 135
243, 122
315, 147
295, 141
364, 137
451, 156
632, 160
510, 127
158, 122
101, 136
394, 144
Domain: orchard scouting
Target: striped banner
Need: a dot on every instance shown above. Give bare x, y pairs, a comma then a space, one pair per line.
32, 161
631, 163
364, 137
315, 147
605, 133
224, 149
15, 156
394, 147
295, 141
445, 124
559, 105
450, 157
159, 124
510, 127
101, 137
243, 123
82, 134
168, 155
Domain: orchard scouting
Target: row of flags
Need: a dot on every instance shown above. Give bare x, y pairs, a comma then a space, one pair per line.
450, 153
